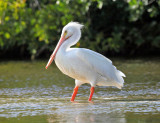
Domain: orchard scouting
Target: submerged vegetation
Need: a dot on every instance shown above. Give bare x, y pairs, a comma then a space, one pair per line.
125, 27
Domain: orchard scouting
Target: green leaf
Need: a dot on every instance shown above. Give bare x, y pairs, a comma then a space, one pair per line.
7, 35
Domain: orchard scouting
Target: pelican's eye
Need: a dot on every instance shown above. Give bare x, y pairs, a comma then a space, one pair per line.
65, 32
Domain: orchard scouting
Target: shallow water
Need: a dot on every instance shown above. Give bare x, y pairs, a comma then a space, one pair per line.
29, 93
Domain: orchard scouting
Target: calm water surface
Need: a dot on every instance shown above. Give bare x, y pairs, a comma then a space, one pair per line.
29, 93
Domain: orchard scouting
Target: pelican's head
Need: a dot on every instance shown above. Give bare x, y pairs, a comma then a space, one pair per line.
71, 30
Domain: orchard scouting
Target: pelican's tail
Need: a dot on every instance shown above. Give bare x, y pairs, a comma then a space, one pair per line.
120, 79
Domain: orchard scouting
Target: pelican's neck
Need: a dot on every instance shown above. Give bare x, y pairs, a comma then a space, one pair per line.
70, 41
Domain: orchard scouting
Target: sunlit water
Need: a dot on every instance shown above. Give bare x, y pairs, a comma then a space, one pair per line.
29, 93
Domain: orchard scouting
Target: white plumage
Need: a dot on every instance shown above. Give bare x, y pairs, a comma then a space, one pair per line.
84, 65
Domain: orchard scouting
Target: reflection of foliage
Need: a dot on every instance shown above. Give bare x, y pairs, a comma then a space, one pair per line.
116, 26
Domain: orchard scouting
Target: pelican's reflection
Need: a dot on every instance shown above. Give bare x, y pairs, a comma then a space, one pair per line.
87, 113
83, 117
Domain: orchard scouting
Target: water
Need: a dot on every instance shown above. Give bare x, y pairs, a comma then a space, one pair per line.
29, 93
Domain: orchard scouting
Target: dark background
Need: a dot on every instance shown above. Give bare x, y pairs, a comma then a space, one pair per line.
118, 28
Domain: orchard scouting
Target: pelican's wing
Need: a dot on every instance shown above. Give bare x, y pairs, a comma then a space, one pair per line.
101, 65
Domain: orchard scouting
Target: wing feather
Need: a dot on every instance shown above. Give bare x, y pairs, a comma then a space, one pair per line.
101, 65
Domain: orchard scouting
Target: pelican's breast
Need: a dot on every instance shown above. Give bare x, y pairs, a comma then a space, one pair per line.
61, 62
70, 65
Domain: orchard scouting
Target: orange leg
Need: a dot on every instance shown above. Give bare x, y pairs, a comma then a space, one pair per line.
91, 93
74, 93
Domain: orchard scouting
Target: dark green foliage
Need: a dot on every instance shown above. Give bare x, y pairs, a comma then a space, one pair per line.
111, 26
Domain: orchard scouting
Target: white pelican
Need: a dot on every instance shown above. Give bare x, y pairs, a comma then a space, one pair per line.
84, 65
